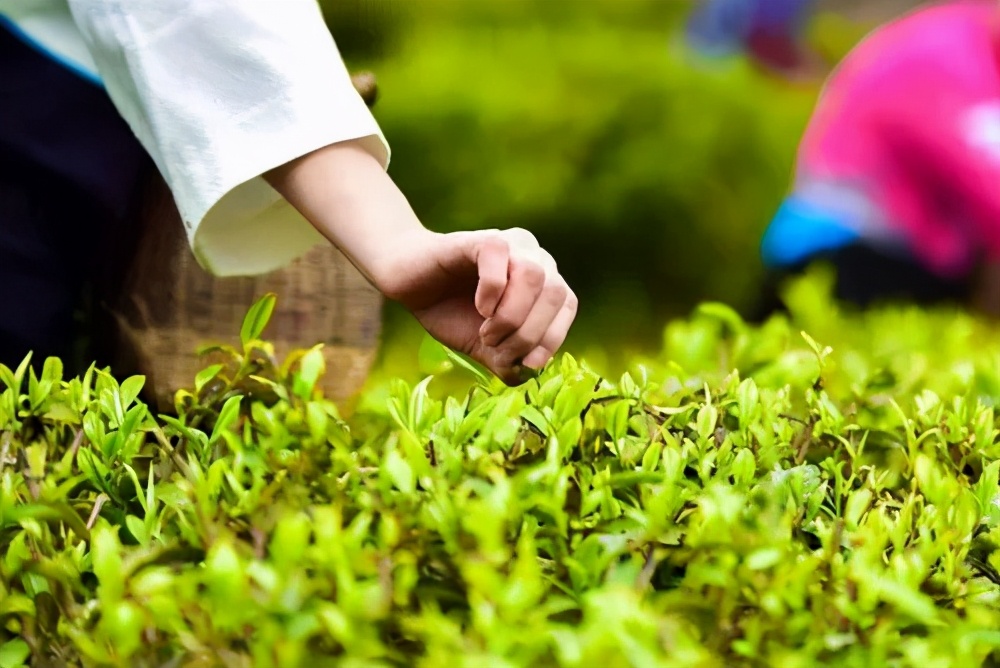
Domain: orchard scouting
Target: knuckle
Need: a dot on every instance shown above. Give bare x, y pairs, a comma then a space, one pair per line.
522, 236
497, 242
572, 301
485, 236
550, 262
534, 274
556, 293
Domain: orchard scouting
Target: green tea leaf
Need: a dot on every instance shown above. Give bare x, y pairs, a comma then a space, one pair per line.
400, 472
311, 367
130, 389
206, 375
228, 416
257, 318
14, 653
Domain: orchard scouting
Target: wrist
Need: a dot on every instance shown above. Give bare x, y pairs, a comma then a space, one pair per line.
345, 193
392, 268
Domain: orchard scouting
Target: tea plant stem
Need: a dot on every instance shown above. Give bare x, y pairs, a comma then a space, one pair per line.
177, 460
99, 502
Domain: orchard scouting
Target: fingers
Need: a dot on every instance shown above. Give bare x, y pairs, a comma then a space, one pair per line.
533, 315
554, 336
527, 281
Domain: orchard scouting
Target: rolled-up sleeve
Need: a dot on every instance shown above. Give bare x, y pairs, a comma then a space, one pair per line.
219, 92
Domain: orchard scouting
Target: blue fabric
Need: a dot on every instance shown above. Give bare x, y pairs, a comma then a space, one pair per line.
13, 29
719, 26
800, 231
722, 27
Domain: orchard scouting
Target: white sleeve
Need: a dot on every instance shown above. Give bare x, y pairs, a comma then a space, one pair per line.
219, 92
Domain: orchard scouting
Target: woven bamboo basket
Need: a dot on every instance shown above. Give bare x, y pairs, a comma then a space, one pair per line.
165, 307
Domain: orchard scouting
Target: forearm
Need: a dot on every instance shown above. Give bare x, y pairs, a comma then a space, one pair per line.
346, 194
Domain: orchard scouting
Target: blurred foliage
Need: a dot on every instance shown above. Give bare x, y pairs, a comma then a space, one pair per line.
648, 174
648, 179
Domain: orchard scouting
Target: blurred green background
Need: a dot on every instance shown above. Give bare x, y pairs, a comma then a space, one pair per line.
648, 174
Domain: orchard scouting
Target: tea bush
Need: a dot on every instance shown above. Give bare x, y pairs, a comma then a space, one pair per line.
748, 497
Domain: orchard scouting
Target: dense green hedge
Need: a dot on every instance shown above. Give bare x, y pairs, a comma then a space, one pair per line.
746, 498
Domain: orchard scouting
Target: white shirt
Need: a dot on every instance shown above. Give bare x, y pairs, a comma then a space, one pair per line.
218, 92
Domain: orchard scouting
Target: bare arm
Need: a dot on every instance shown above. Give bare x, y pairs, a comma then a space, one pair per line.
494, 295
347, 195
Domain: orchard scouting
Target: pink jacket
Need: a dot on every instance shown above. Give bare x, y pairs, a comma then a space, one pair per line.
912, 117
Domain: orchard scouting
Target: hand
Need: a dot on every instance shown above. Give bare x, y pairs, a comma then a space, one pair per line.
496, 296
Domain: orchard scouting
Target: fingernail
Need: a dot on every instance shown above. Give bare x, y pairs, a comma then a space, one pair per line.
536, 360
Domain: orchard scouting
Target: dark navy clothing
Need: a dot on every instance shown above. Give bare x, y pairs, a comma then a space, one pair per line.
866, 277
70, 171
